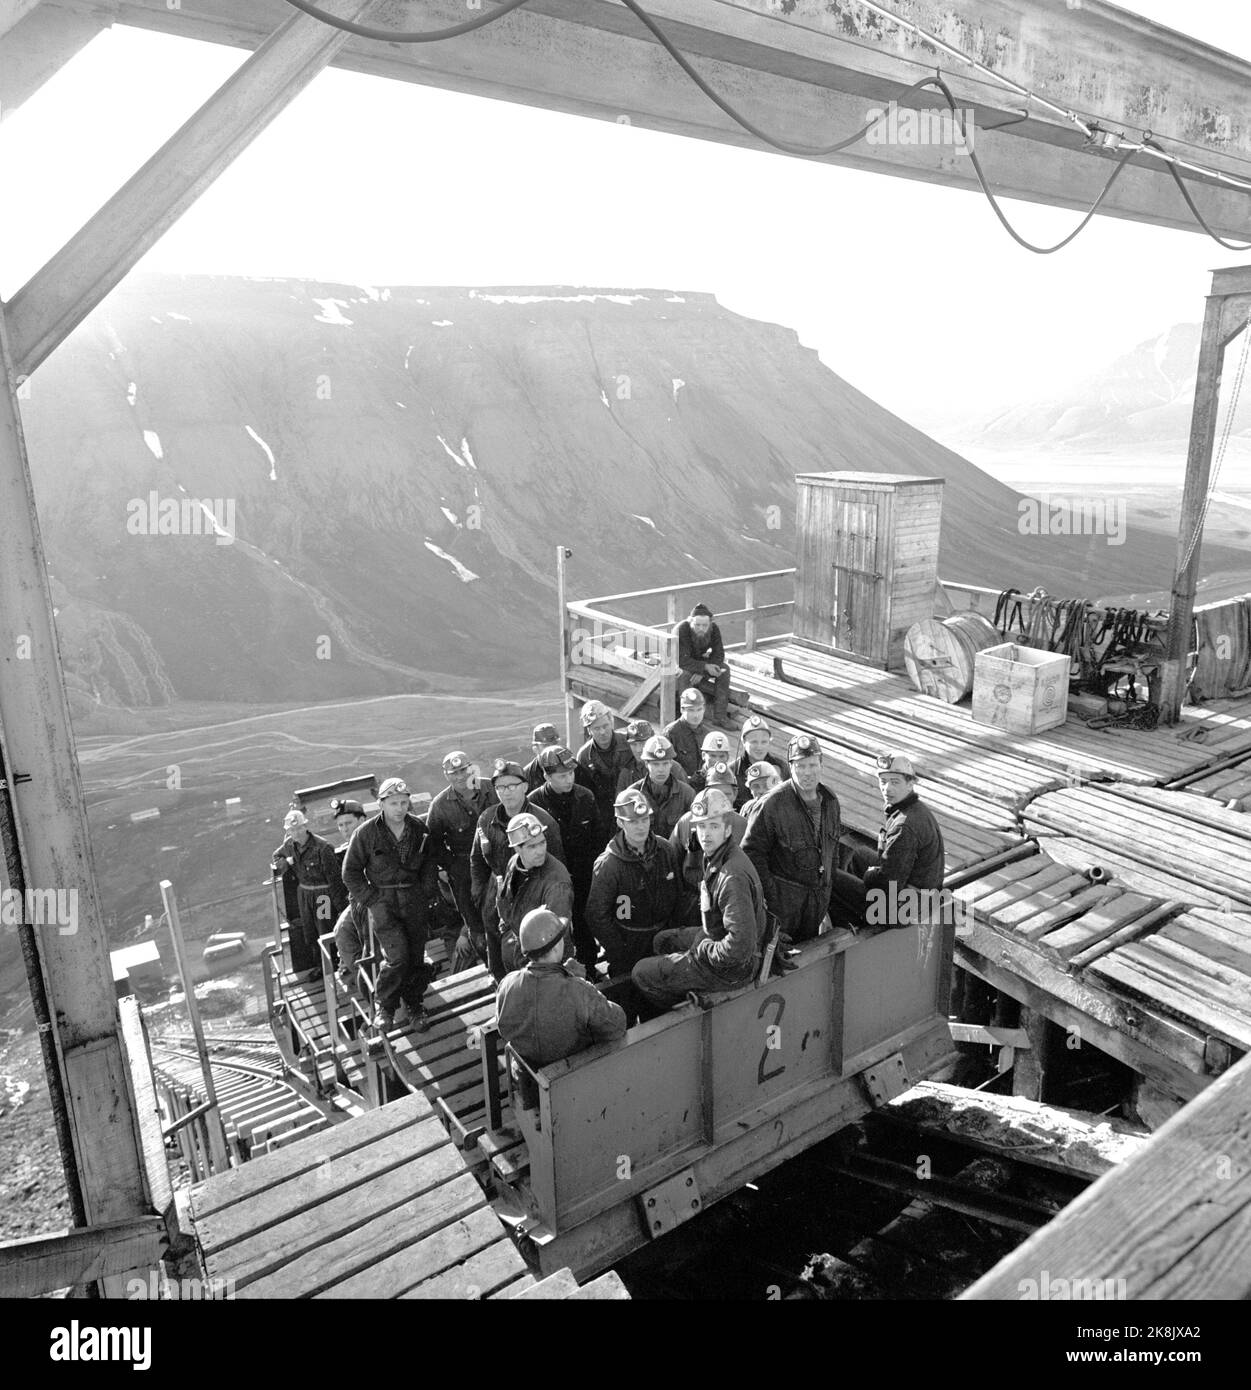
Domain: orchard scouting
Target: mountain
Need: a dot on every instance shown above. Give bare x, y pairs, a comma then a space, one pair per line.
386, 474
1140, 403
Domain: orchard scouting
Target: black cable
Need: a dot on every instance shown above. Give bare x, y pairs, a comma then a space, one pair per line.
990, 197
1190, 203
807, 151
366, 31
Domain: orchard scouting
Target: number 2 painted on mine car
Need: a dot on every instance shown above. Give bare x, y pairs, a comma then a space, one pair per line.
779, 1002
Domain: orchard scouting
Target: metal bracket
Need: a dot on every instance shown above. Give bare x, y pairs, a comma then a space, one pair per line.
886, 1079
671, 1202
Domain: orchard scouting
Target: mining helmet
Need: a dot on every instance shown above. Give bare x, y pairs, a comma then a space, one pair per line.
545, 733
802, 746
759, 772
555, 758
886, 763
455, 761
344, 806
710, 804
503, 767
720, 775
591, 711
691, 696
393, 786
715, 742
751, 724
293, 820
540, 930
657, 749
631, 805
638, 731
525, 829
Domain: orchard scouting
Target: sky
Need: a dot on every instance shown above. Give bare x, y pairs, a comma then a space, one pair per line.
910, 291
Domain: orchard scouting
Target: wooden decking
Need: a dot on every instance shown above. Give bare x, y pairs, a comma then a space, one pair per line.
1153, 965
382, 1206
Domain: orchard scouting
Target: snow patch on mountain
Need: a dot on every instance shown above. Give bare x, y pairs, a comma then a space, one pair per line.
269, 453
332, 312
465, 576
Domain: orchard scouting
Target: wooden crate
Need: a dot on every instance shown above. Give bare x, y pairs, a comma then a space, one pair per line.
867, 561
1020, 689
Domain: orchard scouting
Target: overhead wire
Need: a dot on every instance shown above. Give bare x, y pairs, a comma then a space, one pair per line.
1095, 133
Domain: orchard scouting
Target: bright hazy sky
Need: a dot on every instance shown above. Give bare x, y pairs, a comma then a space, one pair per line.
912, 292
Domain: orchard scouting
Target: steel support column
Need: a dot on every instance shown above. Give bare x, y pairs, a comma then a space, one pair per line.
44, 312
1227, 314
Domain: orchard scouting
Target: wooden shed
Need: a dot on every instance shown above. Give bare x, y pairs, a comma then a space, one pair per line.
867, 561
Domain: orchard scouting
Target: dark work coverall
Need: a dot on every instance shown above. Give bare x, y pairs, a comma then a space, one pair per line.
320, 897
452, 821
488, 859
795, 860
693, 652
395, 879
688, 742
577, 815
634, 894
547, 1014
724, 952
521, 891
909, 855
599, 770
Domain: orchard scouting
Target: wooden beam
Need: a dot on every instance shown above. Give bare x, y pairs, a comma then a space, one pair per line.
1171, 1222
811, 70
1226, 314
38, 40
60, 295
67, 1259
54, 851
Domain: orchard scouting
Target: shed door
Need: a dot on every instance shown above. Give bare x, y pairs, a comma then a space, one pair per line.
859, 587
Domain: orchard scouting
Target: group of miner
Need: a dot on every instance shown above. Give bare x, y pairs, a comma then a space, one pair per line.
649, 866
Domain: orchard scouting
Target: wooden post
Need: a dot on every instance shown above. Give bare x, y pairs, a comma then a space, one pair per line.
279, 908
216, 1129
749, 622
1225, 316
566, 699
1032, 1065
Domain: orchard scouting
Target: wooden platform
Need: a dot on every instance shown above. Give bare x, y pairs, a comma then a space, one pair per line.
1161, 984
1073, 751
382, 1206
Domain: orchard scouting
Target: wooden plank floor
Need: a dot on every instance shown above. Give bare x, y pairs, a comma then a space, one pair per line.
381, 1206
976, 826
1161, 832
1073, 749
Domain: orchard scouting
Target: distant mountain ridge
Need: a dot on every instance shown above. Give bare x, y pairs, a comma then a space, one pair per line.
402, 463
1141, 401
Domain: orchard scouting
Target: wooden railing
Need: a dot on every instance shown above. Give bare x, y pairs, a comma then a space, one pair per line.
630, 659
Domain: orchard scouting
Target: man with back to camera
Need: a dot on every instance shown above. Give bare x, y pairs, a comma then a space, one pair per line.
793, 842
687, 731
490, 853
723, 952
907, 871
321, 895
701, 656
574, 810
542, 1010
390, 870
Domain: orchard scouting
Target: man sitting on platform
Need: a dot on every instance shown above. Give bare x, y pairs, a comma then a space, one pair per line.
701, 655
723, 952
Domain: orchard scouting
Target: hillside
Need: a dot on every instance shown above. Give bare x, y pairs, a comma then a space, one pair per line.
395, 467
